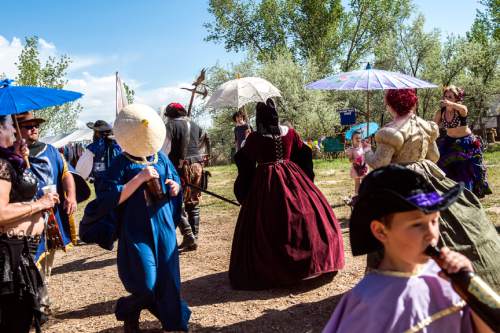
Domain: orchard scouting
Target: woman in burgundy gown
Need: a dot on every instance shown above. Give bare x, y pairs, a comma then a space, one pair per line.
286, 230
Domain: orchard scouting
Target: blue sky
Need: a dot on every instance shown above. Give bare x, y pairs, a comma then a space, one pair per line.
156, 45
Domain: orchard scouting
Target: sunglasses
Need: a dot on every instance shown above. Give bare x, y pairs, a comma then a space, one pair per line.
30, 127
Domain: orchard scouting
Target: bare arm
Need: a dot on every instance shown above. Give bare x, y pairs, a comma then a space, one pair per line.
132, 185
462, 109
68, 183
12, 212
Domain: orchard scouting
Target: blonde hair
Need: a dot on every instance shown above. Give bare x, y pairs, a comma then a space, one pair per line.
458, 92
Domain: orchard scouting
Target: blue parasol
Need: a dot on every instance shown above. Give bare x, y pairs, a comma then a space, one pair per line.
19, 99
365, 129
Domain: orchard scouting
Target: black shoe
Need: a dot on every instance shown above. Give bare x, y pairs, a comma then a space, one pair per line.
131, 326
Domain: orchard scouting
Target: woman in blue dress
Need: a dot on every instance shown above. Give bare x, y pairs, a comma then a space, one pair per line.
148, 259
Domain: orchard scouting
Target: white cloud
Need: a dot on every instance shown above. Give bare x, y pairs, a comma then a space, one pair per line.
9, 53
80, 62
98, 101
46, 45
161, 97
99, 96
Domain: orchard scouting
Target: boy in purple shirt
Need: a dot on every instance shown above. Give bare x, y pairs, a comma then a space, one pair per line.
398, 212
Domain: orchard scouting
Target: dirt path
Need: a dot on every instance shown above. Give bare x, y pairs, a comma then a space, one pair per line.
85, 286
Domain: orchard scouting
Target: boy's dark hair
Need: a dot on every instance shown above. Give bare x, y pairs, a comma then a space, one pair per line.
355, 133
239, 114
387, 220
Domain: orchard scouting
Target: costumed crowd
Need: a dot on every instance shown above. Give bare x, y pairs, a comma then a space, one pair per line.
148, 177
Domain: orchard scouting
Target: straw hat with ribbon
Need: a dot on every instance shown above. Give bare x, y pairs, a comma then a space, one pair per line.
139, 130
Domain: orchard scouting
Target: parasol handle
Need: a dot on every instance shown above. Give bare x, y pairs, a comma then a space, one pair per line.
19, 138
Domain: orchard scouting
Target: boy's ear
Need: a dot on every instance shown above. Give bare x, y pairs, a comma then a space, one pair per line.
378, 230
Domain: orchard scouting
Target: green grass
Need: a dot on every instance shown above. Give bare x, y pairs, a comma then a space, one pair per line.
492, 161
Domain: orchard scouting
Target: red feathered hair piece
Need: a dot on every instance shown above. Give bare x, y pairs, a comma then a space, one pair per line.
401, 100
175, 110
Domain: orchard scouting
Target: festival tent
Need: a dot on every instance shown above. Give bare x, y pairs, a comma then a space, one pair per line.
61, 140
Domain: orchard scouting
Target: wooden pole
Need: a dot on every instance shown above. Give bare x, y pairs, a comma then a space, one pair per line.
367, 112
193, 92
19, 138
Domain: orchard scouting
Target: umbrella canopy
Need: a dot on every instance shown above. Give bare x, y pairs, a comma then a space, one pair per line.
366, 129
19, 99
238, 92
369, 79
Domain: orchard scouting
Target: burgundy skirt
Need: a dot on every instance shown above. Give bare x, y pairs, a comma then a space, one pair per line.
286, 231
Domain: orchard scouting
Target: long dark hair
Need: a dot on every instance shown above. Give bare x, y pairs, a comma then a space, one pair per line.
266, 118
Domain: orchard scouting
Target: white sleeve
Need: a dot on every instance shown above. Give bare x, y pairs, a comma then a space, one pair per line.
85, 164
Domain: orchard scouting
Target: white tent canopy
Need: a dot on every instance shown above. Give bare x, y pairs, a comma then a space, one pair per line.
62, 140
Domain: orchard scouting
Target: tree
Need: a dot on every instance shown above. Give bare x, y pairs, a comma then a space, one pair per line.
412, 51
365, 24
321, 31
311, 112
245, 26
59, 119
322, 17
129, 92
481, 58
487, 22
298, 41
482, 82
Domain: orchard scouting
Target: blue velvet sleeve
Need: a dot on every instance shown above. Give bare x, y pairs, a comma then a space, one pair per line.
115, 177
101, 219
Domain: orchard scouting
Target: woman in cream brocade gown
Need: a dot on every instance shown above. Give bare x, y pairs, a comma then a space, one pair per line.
411, 141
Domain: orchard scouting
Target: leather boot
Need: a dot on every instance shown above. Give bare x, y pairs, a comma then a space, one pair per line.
194, 219
131, 326
188, 243
188, 238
